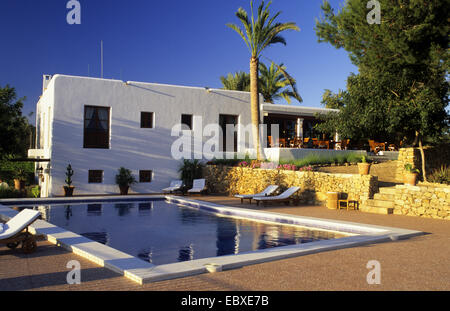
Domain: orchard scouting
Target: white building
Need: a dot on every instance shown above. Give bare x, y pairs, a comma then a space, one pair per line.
99, 125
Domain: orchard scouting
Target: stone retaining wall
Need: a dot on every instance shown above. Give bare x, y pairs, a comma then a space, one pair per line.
425, 200
434, 158
314, 185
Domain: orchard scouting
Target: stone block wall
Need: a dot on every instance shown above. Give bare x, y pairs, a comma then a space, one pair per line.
434, 158
425, 200
313, 185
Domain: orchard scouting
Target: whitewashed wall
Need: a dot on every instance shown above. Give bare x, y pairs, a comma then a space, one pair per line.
130, 146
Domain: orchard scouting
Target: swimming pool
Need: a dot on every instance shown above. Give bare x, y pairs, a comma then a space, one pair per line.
161, 232
272, 229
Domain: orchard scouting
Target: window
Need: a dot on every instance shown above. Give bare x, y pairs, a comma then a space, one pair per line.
96, 127
186, 119
147, 120
145, 176
95, 176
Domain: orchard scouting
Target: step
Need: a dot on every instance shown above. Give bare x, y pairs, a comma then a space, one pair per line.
383, 196
376, 209
387, 190
380, 203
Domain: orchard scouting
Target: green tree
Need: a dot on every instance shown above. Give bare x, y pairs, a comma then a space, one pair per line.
333, 101
401, 87
258, 34
240, 81
14, 128
275, 83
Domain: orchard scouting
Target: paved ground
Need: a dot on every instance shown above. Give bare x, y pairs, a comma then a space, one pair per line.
384, 170
420, 263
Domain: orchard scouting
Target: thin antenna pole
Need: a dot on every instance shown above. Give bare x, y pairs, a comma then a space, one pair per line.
101, 57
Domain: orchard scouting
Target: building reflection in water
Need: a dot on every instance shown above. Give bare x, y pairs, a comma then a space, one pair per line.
123, 208
68, 211
145, 208
94, 209
226, 236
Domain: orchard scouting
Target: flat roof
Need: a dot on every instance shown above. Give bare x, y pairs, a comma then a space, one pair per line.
295, 110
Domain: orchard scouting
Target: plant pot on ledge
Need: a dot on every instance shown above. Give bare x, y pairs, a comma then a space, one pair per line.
68, 191
410, 179
363, 166
124, 190
124, 179
410, 176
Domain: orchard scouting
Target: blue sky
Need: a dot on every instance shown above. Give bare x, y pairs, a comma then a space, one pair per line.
174, 42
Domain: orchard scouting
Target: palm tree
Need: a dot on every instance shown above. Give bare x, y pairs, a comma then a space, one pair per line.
240, 81
258, 35
273, 83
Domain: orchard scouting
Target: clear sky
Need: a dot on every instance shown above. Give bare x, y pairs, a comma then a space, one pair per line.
161, 41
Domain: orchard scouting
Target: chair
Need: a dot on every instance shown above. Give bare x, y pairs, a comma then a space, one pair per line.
344, 198
199, 185
284, 197
376, 147
13, 231
282, 142
175, 185
268, 191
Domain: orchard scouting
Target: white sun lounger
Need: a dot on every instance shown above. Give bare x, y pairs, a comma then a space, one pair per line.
13, 234
198, 186
268, 191
284, 197
174, 186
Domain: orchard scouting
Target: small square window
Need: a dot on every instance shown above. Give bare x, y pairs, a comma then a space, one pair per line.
186, 119
145, 176
147, 120
95, 176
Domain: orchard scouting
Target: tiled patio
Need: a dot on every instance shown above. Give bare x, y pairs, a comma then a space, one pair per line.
420, 263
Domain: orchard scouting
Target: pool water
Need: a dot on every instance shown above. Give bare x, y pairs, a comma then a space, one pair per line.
160, 232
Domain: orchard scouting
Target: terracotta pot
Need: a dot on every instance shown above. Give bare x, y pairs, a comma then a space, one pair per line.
68, 191
410, 179
124, 190
19, 184
363, 168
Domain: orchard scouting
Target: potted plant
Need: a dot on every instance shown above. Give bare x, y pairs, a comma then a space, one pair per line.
124, 179
410, 176
364, 166
68, 190
20, 178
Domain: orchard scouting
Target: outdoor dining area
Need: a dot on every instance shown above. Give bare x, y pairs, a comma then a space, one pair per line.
299, 131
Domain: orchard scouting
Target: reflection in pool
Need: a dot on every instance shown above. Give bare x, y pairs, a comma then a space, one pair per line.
160, 232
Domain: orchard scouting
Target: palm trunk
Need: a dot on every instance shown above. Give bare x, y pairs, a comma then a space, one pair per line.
254, 105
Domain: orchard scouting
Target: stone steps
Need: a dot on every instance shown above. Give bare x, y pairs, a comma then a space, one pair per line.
382, 202
383, 196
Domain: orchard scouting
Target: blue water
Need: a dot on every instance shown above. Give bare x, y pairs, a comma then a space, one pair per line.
161, 232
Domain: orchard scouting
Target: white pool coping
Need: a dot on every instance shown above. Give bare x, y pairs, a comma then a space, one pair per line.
144, 272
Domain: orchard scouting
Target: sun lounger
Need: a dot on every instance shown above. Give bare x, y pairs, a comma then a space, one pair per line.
268, 191
199, 185
174, 186
13, 231
284, 197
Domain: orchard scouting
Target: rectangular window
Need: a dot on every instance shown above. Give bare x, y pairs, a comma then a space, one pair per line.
95, 176
145, 176
96, 127
186, 119
147, 120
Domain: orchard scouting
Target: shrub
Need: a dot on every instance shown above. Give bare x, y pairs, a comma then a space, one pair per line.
190, 170
124, 177
440, 175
